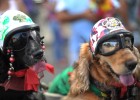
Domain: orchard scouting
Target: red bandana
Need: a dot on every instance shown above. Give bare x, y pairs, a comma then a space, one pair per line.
29, 77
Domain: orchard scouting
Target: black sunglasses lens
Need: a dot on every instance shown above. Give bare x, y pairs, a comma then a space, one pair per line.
36, 36
128, 42
19, 40
109, 46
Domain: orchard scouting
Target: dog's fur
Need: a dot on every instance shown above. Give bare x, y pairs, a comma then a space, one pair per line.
100, 68
12, 94
18, 93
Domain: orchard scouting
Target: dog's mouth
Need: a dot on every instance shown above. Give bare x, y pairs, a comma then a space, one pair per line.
38, 54
33, 57
42, 66
39, 66
125, 79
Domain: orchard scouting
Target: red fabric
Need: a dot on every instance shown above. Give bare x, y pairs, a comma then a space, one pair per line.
69, 73
50, 68
15, 83
20, 73
123, 91
138, 84
31, 81
123, 88
119, 85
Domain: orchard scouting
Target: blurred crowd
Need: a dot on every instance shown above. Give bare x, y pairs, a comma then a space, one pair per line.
67, 23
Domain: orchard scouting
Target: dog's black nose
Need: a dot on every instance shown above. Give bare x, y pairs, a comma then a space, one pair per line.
131, 65
38, 54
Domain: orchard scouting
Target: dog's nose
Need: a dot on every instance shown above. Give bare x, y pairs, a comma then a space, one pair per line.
38, 54
131, 65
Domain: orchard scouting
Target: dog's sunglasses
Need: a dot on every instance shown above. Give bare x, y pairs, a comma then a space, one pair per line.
115, 43
20, 39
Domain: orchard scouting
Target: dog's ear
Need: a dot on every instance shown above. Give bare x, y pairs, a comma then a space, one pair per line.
81, 72
137, 69
4, 65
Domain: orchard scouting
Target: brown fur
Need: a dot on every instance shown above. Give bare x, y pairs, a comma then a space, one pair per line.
98, 68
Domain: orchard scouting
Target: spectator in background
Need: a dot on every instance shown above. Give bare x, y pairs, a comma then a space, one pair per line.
107, 8
132, 6
58, 41
31, 9
82, 15
133, 15
138, 11
12, 5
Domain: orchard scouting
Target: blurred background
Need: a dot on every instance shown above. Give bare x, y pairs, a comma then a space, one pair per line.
67, 23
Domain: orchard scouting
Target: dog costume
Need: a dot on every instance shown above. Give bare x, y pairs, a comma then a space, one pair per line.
22, 57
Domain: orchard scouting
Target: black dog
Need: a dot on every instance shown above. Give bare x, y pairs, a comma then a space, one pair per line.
21, 57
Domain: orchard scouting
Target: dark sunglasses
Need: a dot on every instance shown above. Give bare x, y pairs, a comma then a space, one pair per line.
113, 44
19, 40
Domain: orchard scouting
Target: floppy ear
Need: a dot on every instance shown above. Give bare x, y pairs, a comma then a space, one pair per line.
81, 72
137, 69
4, 65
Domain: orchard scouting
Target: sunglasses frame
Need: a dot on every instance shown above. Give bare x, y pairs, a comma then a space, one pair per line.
16, 30
120, 37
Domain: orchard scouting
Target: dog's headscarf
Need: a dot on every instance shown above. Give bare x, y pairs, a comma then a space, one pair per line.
103, 28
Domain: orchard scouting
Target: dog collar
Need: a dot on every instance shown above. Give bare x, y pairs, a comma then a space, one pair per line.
118, 91
98, 92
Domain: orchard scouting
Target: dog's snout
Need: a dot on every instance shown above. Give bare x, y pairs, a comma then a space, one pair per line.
38, 54
131, 65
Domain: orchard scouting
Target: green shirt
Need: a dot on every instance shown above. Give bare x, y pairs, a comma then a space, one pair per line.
60, 84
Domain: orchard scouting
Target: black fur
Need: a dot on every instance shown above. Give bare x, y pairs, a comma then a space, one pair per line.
23, 59
17, 95
4, 66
